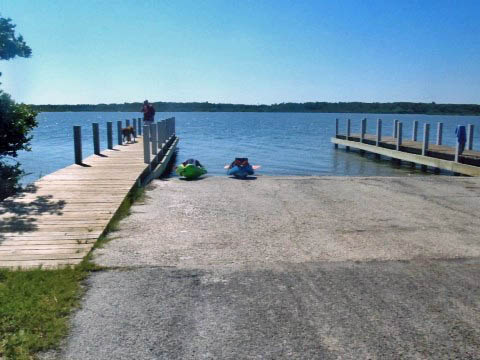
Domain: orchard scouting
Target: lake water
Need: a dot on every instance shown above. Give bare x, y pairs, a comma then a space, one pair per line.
283, 143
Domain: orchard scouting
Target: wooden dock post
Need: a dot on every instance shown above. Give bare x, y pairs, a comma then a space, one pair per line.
336, 132
470, 129
140, 126
426, 133
96, 139
119, 132
109, 134
414, 130
127, 123
399, 135
77, 144
135, 126
363, 130
165, 129
379, 136
146, 144
153, 136
347, 135
160, 137
439, 133
379, 132
395, 122
457, 151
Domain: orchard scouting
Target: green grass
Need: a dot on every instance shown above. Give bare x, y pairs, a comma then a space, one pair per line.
34, 308
35, 305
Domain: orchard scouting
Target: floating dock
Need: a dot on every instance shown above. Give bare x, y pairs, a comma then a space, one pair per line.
437, 156
59, 218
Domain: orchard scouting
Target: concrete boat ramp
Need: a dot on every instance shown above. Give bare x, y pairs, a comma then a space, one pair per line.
289, 268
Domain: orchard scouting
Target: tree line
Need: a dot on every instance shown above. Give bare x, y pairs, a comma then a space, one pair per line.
320, 107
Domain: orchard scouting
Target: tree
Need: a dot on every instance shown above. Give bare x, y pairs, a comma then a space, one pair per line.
16, 120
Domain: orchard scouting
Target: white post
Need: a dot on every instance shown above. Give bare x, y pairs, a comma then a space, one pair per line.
395, 122
363, 130
153, 136
415, 130
470, 137
439, 133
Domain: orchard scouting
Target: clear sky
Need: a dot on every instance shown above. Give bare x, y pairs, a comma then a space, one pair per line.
252, 52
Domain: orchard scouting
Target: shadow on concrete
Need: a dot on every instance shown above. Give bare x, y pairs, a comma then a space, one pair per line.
19, 216
196, 179
245, 178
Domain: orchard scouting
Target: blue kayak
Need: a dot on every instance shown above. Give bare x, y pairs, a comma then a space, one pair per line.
240, 168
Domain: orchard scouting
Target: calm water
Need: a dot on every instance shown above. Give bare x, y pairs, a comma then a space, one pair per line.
283, 143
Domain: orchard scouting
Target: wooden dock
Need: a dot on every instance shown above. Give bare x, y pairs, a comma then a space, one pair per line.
59, 218
436, 156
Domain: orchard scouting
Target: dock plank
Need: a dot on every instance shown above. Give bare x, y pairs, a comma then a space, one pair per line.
57, 220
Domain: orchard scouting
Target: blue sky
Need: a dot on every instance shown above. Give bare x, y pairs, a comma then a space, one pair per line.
253, 52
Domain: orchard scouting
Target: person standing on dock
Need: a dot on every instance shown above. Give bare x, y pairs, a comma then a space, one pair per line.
148, 112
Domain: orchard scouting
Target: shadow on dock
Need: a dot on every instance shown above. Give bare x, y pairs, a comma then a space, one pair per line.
19, 216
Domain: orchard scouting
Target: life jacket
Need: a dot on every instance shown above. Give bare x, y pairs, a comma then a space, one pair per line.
240, 162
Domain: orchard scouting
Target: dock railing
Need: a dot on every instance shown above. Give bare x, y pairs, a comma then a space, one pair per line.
157, 138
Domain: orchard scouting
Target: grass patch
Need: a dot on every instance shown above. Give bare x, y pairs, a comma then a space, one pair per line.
35, 305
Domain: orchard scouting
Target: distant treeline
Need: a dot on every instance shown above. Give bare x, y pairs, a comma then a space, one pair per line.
321, 107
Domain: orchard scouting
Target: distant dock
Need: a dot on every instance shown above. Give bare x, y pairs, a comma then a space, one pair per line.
437, 156
59, 218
